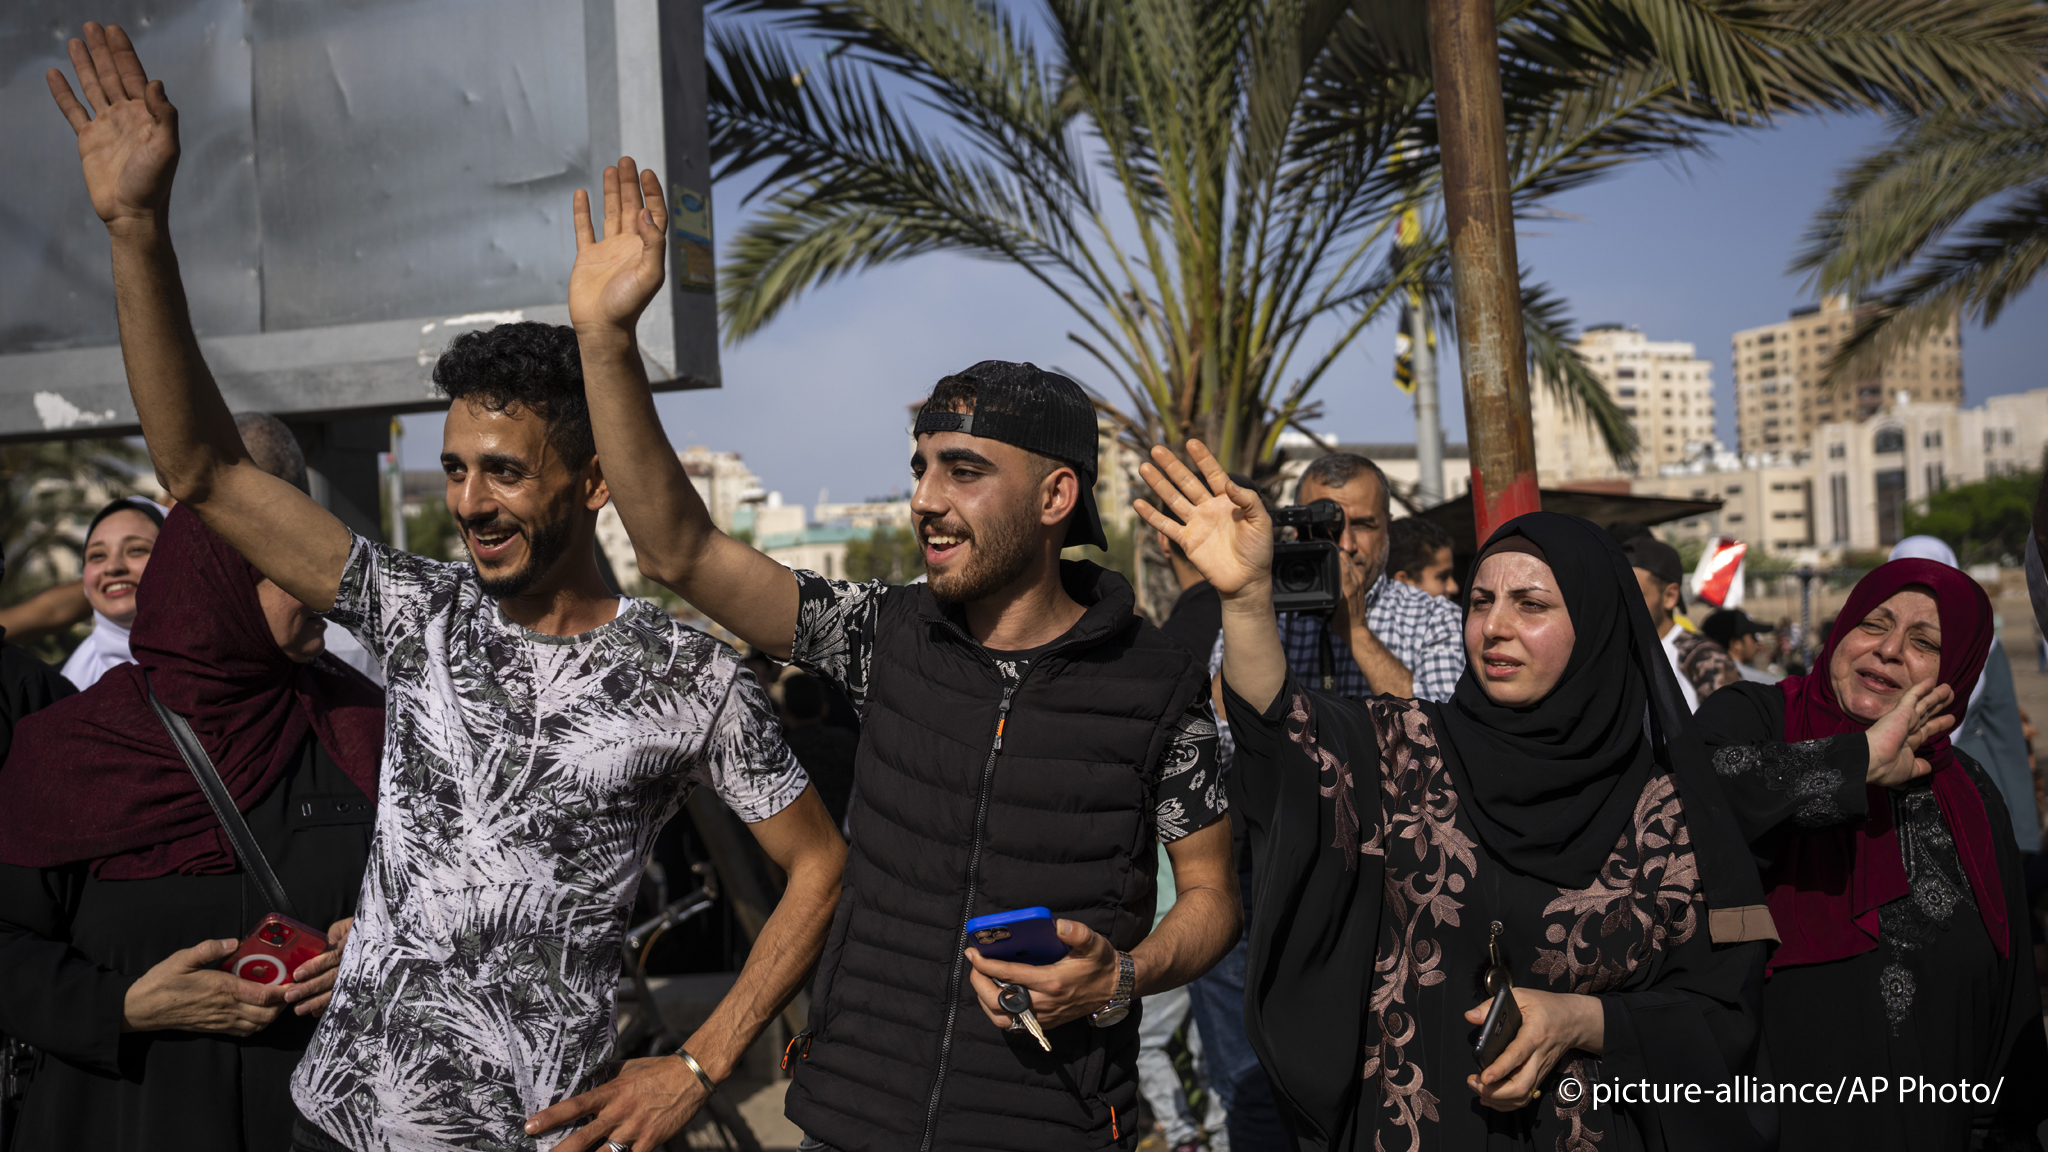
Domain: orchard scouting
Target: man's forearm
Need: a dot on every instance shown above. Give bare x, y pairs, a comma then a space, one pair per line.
673, 535
780, 961
660, 508
1383, 673
1200, 929
185, 422
191, 434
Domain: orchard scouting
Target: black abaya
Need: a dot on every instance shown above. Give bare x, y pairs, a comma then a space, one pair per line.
71, 945
1933, 1001
1359, 991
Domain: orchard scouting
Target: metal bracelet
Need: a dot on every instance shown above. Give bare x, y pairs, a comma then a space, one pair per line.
702, 1077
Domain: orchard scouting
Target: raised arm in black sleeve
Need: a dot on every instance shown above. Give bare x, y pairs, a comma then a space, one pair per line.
1772, 784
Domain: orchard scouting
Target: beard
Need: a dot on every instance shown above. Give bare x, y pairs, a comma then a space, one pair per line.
1000, 556
545, 544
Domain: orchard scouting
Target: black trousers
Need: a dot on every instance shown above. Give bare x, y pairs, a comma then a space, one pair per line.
310, 1137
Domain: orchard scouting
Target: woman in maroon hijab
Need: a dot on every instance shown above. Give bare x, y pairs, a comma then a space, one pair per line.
1891, 871
120, 893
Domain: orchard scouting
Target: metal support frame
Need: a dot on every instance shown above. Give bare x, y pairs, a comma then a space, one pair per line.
361, 184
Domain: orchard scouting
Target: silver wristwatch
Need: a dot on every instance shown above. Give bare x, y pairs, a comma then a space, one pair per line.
1119, 1005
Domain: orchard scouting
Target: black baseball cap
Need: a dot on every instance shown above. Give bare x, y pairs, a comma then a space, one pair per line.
1729, 623
1658, 559
1038, 411
1655, 557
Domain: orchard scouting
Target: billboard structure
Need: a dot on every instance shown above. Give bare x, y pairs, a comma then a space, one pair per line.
361, 182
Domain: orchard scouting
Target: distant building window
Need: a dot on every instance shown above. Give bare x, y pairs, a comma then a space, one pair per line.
1889, 440
1735, 517
1838, 506
1625, 393
1733, 490
1821, 331
1930, 439
1766, 373
2005, 436
1699, 493
1629, 411
1837, 451
1936, 482
1767, 338
1625, 373
1990, 439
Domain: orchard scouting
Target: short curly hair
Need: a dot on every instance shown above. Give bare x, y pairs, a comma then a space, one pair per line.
536, 367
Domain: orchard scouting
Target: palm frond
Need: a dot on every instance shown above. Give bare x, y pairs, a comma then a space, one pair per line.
1974, 277
1885, 210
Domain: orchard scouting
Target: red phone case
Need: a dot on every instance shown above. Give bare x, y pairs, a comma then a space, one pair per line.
275, 950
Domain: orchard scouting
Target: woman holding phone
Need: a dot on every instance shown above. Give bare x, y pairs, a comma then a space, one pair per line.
1551, 837
1892, 874
120, 893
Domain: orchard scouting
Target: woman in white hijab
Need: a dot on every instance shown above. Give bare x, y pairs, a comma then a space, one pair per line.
117, 548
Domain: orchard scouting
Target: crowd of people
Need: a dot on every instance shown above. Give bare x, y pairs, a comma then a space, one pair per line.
1512, 856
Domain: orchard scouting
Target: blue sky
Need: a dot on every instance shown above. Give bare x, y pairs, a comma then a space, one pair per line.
1685, 251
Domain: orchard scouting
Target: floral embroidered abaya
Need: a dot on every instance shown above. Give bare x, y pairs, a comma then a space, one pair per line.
1391, 835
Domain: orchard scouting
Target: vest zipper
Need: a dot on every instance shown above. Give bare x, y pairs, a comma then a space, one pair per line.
988, 775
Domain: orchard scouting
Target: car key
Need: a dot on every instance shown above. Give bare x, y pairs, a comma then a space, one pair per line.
1015, 1000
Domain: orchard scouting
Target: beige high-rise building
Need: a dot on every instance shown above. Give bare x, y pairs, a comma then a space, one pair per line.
1778, 402
1661, 385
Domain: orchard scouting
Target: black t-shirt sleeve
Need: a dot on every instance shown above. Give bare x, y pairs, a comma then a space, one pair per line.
1191, 793
1196, 619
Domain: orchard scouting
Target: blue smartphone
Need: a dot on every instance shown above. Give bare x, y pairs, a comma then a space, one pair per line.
1023, 936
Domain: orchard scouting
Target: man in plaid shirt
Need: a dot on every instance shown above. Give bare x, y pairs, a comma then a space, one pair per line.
1386, 637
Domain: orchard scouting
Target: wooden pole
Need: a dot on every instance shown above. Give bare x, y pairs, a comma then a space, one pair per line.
1485, 279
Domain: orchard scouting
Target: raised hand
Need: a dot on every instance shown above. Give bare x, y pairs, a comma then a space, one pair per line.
1895, 740
615, 277
127, 129
1223, 529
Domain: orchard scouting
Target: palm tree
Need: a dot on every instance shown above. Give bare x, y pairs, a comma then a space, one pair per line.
48, 489
1213, 185
1898, 216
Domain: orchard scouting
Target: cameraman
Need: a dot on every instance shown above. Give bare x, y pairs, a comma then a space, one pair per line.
1388, 638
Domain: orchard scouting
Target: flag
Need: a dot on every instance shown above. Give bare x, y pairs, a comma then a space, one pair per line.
1718, 578
1404, 353
1407, 234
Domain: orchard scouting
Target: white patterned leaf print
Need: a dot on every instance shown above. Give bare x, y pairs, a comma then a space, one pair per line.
524, 780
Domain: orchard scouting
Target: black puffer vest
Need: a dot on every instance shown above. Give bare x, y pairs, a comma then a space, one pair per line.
951, 822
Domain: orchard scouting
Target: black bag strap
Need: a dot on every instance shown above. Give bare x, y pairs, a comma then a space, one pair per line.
253, 861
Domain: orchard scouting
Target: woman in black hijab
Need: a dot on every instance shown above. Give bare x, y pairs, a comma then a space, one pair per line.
1558, 810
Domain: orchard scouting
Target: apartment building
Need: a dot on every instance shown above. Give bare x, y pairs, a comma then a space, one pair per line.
1776, 369
723, 481
1770, 506
1660, 385
1867, 472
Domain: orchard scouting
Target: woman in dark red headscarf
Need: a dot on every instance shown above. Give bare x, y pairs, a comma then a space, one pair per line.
1892, 875
120, 892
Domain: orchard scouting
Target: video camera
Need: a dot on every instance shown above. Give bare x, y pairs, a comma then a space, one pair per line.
1307, 574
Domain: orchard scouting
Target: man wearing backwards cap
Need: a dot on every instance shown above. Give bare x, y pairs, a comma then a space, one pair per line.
1026, 738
